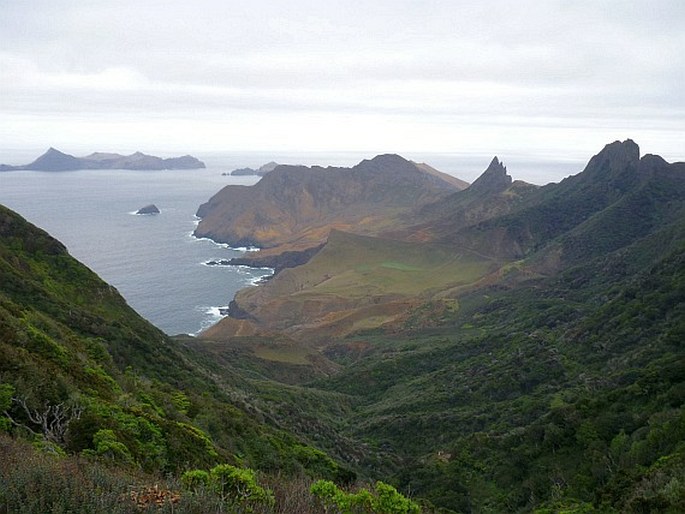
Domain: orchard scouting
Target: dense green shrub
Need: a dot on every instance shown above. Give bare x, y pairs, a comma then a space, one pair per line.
6, 393
233, 485
195, 480
386, 500
389, 501
109, 447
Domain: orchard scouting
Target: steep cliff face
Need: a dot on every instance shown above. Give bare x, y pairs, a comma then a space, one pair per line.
298, 206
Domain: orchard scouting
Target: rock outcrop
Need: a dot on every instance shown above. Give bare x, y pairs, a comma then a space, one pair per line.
493, 180
148, 209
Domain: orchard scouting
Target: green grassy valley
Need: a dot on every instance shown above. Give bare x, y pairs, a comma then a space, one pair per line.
354, 283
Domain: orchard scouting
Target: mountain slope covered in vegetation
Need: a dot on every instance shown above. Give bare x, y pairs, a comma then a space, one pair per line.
81, 372
554, 381
513, 349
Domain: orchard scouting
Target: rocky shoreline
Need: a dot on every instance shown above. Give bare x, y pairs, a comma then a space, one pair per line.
278, 263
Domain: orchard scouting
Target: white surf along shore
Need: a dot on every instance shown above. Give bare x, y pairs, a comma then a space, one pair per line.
216, 313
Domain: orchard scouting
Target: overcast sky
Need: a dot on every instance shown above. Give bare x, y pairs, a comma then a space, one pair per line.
538, 77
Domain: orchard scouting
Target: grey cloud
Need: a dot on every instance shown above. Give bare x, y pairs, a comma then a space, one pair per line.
482, 62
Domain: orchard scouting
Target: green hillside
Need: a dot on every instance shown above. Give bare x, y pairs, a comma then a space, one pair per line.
82, 374
555, 382
356, 282
562, 390
519, 350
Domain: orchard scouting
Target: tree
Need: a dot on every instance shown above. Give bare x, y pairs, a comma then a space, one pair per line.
50, 421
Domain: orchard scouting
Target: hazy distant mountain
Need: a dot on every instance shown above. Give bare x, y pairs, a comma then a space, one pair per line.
54, 160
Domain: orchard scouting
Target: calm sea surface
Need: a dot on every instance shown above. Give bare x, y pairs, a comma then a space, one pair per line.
154, 261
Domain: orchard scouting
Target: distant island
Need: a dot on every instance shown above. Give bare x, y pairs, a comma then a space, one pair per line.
54, 160
260, 172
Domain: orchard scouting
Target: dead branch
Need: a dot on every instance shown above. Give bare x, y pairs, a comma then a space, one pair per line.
53, 420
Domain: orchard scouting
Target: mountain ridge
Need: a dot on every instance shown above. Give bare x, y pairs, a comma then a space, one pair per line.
294, 207
541, 229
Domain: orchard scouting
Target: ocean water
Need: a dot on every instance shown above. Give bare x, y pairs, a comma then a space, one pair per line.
154, 261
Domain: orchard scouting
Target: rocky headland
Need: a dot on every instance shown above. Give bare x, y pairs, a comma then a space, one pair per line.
294, 208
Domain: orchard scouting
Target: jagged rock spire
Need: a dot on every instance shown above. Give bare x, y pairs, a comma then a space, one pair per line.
493, 180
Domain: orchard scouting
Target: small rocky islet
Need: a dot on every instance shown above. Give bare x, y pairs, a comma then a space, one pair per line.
148, 209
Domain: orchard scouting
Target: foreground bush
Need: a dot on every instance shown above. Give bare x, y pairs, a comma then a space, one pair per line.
386, 500
35, 482
236, 487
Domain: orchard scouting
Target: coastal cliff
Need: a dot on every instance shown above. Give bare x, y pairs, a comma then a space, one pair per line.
295, 207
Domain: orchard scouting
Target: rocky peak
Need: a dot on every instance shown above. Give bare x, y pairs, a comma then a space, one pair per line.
395, 168
54, 153
615, 158
53, 159
385, 166
385, 162
493, 180
389, 159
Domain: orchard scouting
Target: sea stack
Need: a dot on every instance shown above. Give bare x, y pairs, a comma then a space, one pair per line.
148, 209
